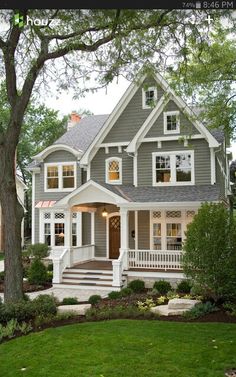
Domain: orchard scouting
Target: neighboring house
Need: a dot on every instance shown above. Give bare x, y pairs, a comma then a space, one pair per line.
20, 189
118, 190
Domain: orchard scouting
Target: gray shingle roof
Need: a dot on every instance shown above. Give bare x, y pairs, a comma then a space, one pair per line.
83, 133
199, 193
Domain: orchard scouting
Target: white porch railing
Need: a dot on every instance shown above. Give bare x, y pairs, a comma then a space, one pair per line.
118, 266
61, 260
82, 253
155, 259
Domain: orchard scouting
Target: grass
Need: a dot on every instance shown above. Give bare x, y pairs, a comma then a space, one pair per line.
123, 348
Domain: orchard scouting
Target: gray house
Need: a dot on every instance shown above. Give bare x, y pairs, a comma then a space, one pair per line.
113, 196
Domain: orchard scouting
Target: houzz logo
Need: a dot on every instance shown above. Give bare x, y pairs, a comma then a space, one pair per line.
18, 19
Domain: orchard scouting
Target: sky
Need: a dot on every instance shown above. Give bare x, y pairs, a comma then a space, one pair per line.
101, 102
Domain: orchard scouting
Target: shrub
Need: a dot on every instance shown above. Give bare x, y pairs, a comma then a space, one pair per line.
230, 307
94, 299
38, 250
200, 310
126, 292
184, 287
210, 251
137, 285
162, 286
37, 273
146, 305
69, 301
45, 305
114, 295
50, 267
49, 276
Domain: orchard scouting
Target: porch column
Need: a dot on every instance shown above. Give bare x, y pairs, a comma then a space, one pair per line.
68, 234
92, 214
124, 229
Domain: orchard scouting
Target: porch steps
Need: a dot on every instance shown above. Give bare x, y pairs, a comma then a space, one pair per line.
87, 279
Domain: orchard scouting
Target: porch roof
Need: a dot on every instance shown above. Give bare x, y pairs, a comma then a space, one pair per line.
201, 193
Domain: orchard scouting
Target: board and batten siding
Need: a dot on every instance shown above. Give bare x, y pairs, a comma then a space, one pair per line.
98, 165
186, 126
201, 160
133, 116
143, 230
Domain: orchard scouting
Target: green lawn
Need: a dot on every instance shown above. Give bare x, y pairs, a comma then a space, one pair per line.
123, 348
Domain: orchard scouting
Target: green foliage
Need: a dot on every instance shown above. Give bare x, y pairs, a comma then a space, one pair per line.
38, 250
200, 310
37, 273
184, 287
94, 299
50, 267
161, 300
69, 301
137, 285
126, 292
210, 252
49, 276
118, 312
172, 294
45, 304
230, 307
146, 305
114, 295
12, 327
162, 286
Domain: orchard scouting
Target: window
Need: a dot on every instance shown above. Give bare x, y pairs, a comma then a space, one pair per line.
156, 236
173, 168
74, 234
171, 122
60, 177
59, 234
114, 170
47, 234
173, 236
149, 97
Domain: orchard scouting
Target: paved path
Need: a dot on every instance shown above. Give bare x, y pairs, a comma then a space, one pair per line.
1, 265
60, 293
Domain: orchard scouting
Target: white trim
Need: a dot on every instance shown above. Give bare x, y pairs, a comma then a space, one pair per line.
107, 231
213, 166
56, 147
79, 229
169, 113
135, 169
136, 229
124, 229
111, 199
92, 214
60, 176
144, 91
117, 181
172, 205
113, 117
172, 168
159, 144
52, 221
119, 149
116, 144
88, 172
171, 138
33, 210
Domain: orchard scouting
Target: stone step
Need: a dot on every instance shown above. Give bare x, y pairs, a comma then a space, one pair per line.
85, 271
87, 281
71, 274
100, 287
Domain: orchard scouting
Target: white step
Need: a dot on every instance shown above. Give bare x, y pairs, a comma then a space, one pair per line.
87, 281
70, 274
87, 287
85, 271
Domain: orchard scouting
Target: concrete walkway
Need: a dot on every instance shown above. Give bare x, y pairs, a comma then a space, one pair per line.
1, 265
60, 293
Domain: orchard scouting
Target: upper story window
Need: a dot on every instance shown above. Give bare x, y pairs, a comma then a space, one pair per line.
173, 168
60, 176
171, 122
114, 170
149, 97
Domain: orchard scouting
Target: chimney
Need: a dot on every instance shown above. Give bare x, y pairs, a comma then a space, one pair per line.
74, 119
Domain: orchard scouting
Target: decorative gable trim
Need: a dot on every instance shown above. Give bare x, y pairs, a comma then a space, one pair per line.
138, 138
56, 147
113, 117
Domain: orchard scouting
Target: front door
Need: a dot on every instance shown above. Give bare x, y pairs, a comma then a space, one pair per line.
114, 237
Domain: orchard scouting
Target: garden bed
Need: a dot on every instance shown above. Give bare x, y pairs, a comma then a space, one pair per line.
28, 288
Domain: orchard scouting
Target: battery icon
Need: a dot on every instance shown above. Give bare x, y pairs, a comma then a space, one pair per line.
198, 5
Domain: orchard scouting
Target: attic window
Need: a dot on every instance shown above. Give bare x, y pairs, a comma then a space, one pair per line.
114, 170
171, 122
149, 97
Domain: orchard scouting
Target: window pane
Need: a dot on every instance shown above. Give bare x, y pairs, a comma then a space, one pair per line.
68, 170
149, 97
174, 238
157, 230
74, 240
183, 168
59, 234
47, 234
68, 182
52, 183
52, 171
114, 170
171, 121
163, 176
114, 176
157, 243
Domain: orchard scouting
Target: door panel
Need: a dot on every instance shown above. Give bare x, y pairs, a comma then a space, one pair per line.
114, 237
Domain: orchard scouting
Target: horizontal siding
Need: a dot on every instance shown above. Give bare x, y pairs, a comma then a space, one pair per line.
98, 165
132, 117
201, 157
143, 230
86, 228
186, 126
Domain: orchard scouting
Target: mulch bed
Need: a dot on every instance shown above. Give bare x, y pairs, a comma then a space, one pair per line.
27, 287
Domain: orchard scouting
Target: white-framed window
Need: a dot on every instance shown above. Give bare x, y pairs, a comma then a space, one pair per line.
59, 176
171, 122
114, 170
173, 168
149, 97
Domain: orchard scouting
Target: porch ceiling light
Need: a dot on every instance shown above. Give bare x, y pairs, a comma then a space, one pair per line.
104, 212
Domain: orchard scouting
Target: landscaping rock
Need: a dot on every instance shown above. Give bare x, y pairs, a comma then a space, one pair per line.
182, 303
80, 309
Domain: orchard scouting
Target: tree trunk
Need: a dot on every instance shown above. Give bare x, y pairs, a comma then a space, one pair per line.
13, 214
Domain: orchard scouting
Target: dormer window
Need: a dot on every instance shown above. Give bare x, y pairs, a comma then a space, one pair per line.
114, 170
171, 122
149, 97
59, 176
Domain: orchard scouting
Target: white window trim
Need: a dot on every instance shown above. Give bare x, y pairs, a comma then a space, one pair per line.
170, 132
52, 221
118, 181
60, 178
172, 168
144, 97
